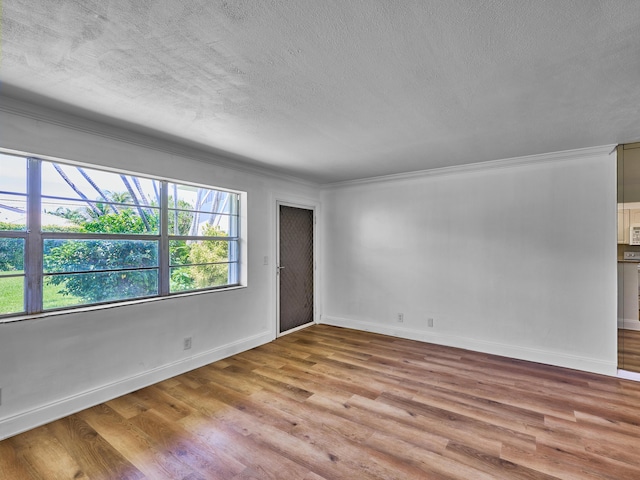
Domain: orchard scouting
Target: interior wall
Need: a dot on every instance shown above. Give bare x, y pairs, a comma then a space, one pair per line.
514, 257
54, 365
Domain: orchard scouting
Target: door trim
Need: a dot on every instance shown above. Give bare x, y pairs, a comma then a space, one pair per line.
314, 206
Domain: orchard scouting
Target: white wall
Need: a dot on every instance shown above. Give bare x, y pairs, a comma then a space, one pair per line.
514, 257
54, 365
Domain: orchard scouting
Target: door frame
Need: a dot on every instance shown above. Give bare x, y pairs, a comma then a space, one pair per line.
624, 275
307, 204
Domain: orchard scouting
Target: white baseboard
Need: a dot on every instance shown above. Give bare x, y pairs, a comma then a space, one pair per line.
513, 351
629, 324
635, 376
47, 413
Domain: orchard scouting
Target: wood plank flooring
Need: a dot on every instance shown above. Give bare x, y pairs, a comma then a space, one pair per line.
629, 350
334, 403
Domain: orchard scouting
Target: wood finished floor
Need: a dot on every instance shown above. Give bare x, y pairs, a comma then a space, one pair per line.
333, 403
629, 350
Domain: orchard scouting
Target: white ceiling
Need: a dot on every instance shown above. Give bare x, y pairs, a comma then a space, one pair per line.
336, 90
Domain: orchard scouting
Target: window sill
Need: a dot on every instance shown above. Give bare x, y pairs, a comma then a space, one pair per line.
104, 306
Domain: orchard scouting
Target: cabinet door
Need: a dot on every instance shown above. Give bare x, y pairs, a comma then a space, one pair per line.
634, 216
623, 226
634, 221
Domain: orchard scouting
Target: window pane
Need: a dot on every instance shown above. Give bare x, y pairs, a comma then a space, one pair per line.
202, 251
13, 174
13, 189
97, 217
69, 181
97, 201
200, 276
11, 295
98, 255
11, 256
13, 212
186, 197
203, 224
87, 288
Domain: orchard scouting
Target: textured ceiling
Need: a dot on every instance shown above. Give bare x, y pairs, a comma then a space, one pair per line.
337, 90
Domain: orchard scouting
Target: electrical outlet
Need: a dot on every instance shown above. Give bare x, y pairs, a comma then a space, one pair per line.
400, 317
187, 343
429, 322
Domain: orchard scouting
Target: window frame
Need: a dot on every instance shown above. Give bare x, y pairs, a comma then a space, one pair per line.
34, 240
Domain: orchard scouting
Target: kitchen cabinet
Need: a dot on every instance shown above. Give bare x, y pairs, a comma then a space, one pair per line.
626, 218
628, 295
623, 228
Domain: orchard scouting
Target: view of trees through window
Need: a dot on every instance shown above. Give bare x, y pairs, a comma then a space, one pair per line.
87, 236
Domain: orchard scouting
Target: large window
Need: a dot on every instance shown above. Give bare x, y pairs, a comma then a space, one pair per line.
73, 236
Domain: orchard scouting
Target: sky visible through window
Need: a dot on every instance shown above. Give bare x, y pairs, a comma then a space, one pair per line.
13, 179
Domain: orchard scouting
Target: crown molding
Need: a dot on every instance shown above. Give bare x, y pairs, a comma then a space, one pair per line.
562, 156
51, 116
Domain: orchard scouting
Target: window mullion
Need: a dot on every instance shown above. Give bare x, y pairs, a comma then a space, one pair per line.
164, 274
97, 236
33, 260
234, 256
203, 238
